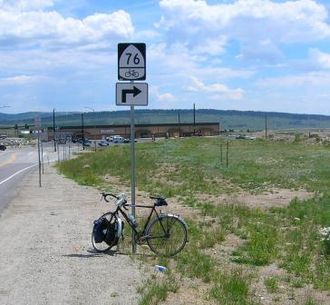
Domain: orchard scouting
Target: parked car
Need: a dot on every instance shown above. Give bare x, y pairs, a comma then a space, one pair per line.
62, 141
128, 140
103, 143
2, 147
87, 143
118, 139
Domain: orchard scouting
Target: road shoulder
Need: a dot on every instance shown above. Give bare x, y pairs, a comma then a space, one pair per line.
46, 252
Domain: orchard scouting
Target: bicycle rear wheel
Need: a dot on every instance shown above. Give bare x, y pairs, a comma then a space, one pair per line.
167, 235
103, 246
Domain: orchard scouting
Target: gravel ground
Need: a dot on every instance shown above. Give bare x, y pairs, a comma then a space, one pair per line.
46, 254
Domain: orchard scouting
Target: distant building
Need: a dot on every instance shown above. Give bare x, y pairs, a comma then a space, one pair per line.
141, 130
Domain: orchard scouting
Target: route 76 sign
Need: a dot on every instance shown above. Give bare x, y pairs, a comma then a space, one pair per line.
131, 61
132, 94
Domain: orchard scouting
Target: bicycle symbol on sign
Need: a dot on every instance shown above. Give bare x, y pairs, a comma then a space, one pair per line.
132, 73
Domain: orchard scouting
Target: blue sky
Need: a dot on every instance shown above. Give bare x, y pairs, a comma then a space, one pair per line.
262, 55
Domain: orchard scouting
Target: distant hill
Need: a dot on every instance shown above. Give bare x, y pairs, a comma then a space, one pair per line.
231, 119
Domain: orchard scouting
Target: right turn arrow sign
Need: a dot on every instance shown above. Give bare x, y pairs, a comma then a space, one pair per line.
128, 94
135, 91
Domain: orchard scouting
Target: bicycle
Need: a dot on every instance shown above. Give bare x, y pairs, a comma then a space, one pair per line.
165, 234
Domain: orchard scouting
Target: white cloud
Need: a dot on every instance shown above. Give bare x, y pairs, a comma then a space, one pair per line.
260, 26
176, 60
310, 80
146, 35
211, 46
218, 90
49, 28
319, 58
166, 97
292, 19
31, 62
161, 97
19, 80
25, 5
264, 50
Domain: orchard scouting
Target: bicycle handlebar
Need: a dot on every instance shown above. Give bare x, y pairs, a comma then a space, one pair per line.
120, 199
105, 195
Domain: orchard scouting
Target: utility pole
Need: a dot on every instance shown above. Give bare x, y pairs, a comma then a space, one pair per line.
82, 129
227, 154
266, 126
54, 130
39, 156
194, 119
179, 123
5, 106
95, 130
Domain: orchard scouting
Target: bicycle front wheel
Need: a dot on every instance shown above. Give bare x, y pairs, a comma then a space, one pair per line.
101, 245
167, 235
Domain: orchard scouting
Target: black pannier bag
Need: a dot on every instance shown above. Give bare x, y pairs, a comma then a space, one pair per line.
100, 229
111, 237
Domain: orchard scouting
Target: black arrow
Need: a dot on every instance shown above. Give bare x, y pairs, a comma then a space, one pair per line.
135, 91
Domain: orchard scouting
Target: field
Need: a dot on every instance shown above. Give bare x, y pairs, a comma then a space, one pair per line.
254, 220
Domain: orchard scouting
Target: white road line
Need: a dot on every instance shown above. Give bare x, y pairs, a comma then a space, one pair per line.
17, 173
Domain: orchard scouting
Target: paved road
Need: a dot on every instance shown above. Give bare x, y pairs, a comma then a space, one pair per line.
15, 163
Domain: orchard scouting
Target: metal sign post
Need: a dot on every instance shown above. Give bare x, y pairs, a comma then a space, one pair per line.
37, 125
42, 158
132, 67
39, 157
133, 173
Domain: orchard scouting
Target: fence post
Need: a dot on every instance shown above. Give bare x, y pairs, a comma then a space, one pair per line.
58, 153
227, 154
221, 159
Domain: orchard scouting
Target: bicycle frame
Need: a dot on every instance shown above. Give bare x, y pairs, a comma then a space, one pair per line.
124, 214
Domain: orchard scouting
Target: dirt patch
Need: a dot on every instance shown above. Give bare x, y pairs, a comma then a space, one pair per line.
285, 292
116, 183
222, 252
192, 292
275, 198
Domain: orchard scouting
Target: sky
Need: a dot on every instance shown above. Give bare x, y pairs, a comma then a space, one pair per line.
260, 55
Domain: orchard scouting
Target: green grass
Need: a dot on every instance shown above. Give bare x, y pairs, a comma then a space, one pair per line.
156, 290
261, 248
194, 263
271, 284
185, 168
232, 289
252, 165
205, 235
310, 301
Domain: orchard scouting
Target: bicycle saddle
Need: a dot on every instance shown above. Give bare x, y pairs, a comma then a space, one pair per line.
160, 201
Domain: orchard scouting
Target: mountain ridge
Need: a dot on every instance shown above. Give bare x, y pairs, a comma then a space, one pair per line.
233, 119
